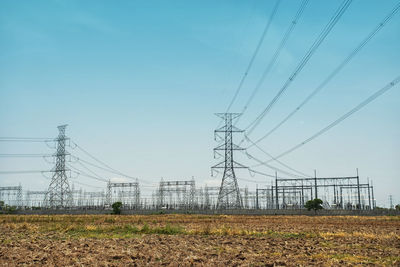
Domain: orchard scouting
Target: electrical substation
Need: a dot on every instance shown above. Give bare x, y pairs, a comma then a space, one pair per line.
337, 193
280, 188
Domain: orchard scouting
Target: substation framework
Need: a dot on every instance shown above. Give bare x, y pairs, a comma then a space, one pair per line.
126, 193
11, 195
88, 199
336, 192
35, 199
177, 194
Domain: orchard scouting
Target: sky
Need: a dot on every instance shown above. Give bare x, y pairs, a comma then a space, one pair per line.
138, 83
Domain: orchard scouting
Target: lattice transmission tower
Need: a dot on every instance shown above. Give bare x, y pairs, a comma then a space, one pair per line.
59, 192
229, 193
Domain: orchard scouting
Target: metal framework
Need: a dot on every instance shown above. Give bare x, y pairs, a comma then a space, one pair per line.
59, 193
93, 199
211, 196
12, 195
336, 193
35, 199
127, 193
229, 194
177, 194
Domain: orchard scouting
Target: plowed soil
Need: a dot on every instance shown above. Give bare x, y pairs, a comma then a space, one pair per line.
199, 240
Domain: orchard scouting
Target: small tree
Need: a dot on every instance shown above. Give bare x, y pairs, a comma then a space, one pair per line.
397, 207
315, 204
117, 207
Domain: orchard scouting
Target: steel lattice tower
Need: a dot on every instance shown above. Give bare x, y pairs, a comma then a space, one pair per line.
59, 192
229, 193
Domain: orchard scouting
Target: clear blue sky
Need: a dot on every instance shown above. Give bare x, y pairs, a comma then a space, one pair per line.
138, 83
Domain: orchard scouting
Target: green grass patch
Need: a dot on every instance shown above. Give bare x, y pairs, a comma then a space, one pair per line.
121, 231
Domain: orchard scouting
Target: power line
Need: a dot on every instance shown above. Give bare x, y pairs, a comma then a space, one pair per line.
338, 14
253, 57
93, 157
252, 181
272, 167
342, 118
267, 175
107, 166
278, 161
24, 155
80, 172
97, 177
92, 172
335, 71
276, 54
28, 138
25, 140
261, 173
87, 185
21, 172
96, 166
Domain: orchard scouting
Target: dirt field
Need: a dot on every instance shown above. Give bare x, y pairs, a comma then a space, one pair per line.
154, 240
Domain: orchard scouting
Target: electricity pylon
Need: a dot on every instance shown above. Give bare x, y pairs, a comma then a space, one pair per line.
229, 193
59, 193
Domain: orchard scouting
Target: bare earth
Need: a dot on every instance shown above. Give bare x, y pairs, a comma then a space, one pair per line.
185, 240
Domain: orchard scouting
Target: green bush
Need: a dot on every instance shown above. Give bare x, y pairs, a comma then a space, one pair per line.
8, 209
315, 204
117, 207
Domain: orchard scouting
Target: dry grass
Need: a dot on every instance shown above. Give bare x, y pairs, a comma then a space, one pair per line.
199, 240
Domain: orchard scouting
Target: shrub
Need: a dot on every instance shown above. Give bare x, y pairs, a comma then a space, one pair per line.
117, 207
315, 204
8, 209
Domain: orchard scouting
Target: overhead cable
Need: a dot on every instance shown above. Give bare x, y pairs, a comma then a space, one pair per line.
340, 119
106, 165
275, 55
273, 167
338, 14
334, 72
253, 57
277, 160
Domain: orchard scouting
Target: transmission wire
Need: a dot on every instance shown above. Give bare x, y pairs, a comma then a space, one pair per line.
253, 57
334, 73
276, 55
340, 119
338, 14
104, 164
278, 161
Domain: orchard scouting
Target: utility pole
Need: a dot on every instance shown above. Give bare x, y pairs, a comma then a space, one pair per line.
276, 191
369, 194
229, 193
358, 191
20, 203
391, 202
58, 194
373, 198
315, 184
257, 197
108, 194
